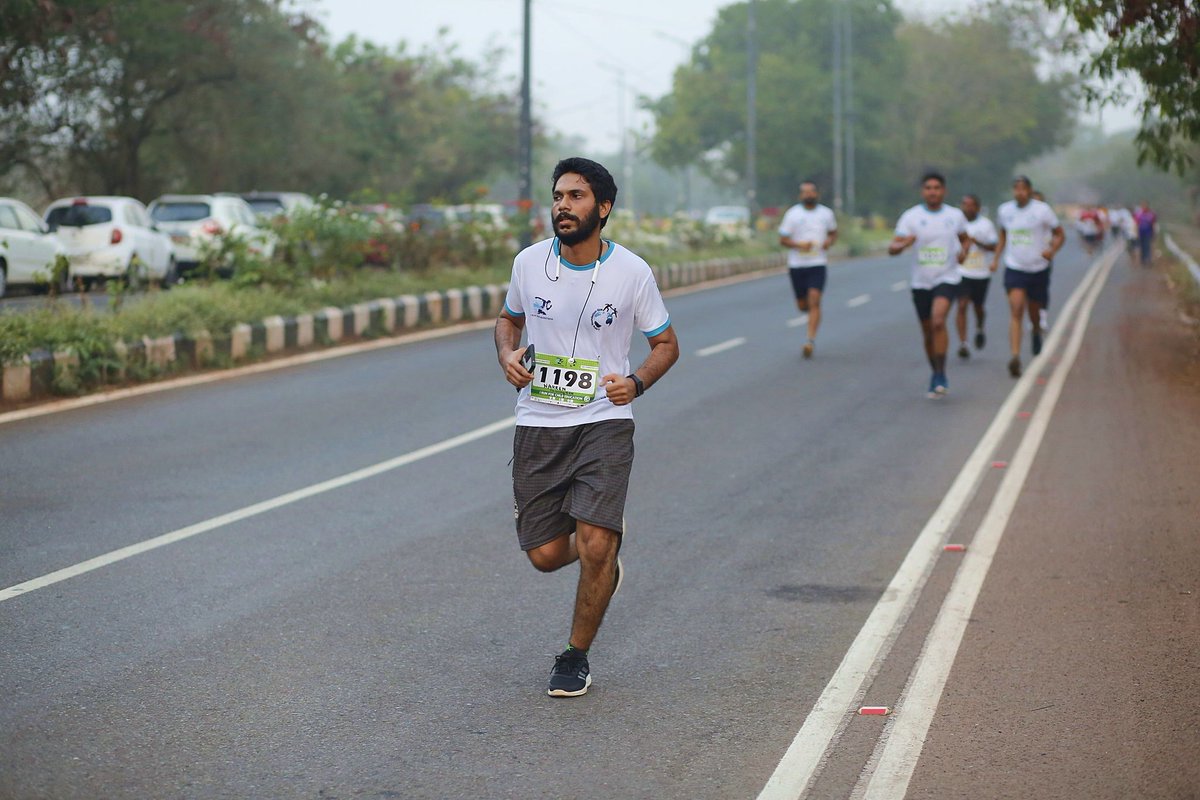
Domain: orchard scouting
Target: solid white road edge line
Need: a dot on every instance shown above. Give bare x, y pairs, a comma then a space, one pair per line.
906, 738
796, 322
214, 523
861, 299
722, 347
831, 712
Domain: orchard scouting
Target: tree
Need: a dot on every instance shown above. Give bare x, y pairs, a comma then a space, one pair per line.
1159, 42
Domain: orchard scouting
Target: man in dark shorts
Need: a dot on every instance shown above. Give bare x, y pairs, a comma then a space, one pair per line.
975, 274
579, 297
808, 230
938, 234
1030, 236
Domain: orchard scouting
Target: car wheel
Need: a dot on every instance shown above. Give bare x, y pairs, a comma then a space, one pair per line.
171, 276
3, 277
132, 277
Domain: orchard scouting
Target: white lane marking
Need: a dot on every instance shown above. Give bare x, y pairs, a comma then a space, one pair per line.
796, 322
207, 525
899, 286
906, 738
845, 689
861, 300
722, 347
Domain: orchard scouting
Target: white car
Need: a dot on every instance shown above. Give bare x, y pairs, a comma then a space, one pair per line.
193, 219
269, 205
27, 248
107, 237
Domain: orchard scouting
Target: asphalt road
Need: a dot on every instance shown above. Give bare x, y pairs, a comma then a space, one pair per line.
388, 638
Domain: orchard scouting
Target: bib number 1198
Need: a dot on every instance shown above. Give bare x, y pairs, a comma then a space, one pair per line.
562, 381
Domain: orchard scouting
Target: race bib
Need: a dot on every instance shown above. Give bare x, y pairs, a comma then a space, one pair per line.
975, 260
1021, 237
932, 256
561, 381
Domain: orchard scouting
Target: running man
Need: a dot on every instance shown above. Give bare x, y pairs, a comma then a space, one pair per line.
939, 234
975, 274
579, 297
1147, 225
1030, 236
808, 230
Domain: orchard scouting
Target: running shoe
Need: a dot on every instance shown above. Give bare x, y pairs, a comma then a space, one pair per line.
932, 394
980, 340
1014, 367
1035, 341
964, 352
571, 676
941, 386
808, 348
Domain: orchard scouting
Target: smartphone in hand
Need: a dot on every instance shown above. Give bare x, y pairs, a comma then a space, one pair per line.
527, 359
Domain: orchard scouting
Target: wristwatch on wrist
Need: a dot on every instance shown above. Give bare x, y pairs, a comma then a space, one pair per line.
639, 388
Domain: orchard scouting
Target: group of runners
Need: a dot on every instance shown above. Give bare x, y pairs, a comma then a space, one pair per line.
1137, 227
955, 251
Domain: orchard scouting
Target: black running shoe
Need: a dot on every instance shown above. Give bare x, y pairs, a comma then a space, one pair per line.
980, 340
571, 676
964, 352
1035, 341
1014, 367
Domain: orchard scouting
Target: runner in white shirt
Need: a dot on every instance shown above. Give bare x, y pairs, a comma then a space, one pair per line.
938, 234
1030, 236
580, 298
975, 274
808, 230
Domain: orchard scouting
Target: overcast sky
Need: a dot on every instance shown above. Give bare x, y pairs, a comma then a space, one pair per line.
571, 93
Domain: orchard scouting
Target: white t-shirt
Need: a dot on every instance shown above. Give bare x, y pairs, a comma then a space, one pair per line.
1027, 234
804, 225
937, 245
625, 296
978, 260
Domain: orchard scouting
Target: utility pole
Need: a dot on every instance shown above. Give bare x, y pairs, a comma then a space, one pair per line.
848, 86
752, 110
626, 155
525, 168
837, 105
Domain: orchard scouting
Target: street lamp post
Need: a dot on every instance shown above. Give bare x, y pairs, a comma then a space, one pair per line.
525, 168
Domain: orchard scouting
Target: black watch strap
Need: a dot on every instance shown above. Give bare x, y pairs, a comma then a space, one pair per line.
639, 388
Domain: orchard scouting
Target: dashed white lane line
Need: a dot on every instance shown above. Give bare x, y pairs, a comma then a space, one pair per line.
796, 322
721, 347
214, 523
899, 286
807, 752
860, 300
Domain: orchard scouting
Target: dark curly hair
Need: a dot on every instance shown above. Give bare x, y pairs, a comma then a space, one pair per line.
597, 177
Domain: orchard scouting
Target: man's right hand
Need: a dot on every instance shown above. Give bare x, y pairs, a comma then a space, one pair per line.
514, 373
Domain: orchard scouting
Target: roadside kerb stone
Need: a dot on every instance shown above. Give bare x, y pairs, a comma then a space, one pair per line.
239, 341
304, 330
18, 381
273, 328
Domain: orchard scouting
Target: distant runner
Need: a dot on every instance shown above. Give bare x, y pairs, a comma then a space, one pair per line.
939, 233
1147, 224
1030, 231
808, 230
580, 297
976, 274
1090, 229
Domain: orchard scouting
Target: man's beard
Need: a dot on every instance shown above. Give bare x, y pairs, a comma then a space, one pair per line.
809, 203
583, 228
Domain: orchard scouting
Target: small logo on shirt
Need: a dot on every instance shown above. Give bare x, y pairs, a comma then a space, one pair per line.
603, 317
541, 305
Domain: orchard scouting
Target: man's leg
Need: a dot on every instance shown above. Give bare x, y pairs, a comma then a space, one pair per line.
596, 548
960, 319
813, 303
1016, 308
939, 334
927, 334
555, 554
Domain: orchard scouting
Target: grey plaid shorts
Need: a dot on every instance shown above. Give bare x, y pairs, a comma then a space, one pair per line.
561, 475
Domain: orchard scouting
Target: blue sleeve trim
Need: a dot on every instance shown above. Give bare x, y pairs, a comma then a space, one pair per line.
513, 313
658, 330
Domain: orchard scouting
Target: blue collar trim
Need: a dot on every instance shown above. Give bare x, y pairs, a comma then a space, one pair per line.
608, 251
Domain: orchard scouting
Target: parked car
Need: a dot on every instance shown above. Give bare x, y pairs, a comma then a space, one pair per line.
728, 217
108, 237
192, 219
269, 205
27, 248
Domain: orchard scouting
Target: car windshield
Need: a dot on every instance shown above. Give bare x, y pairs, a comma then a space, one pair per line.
77, 216
181, 212
266, 205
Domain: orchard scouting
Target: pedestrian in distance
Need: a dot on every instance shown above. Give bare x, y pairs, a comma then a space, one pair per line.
938, 235
1147, 226
976, 274
808, 230
1030, 236
578, 297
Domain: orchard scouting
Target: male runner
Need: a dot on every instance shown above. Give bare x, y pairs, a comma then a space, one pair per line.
1147, 226
580, 297
939, 233
1030, 230
808, 230
975, 273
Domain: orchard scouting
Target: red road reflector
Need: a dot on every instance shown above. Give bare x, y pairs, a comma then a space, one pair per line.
999, 464
1024, 414
955, 548
1041, 381
874, 711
